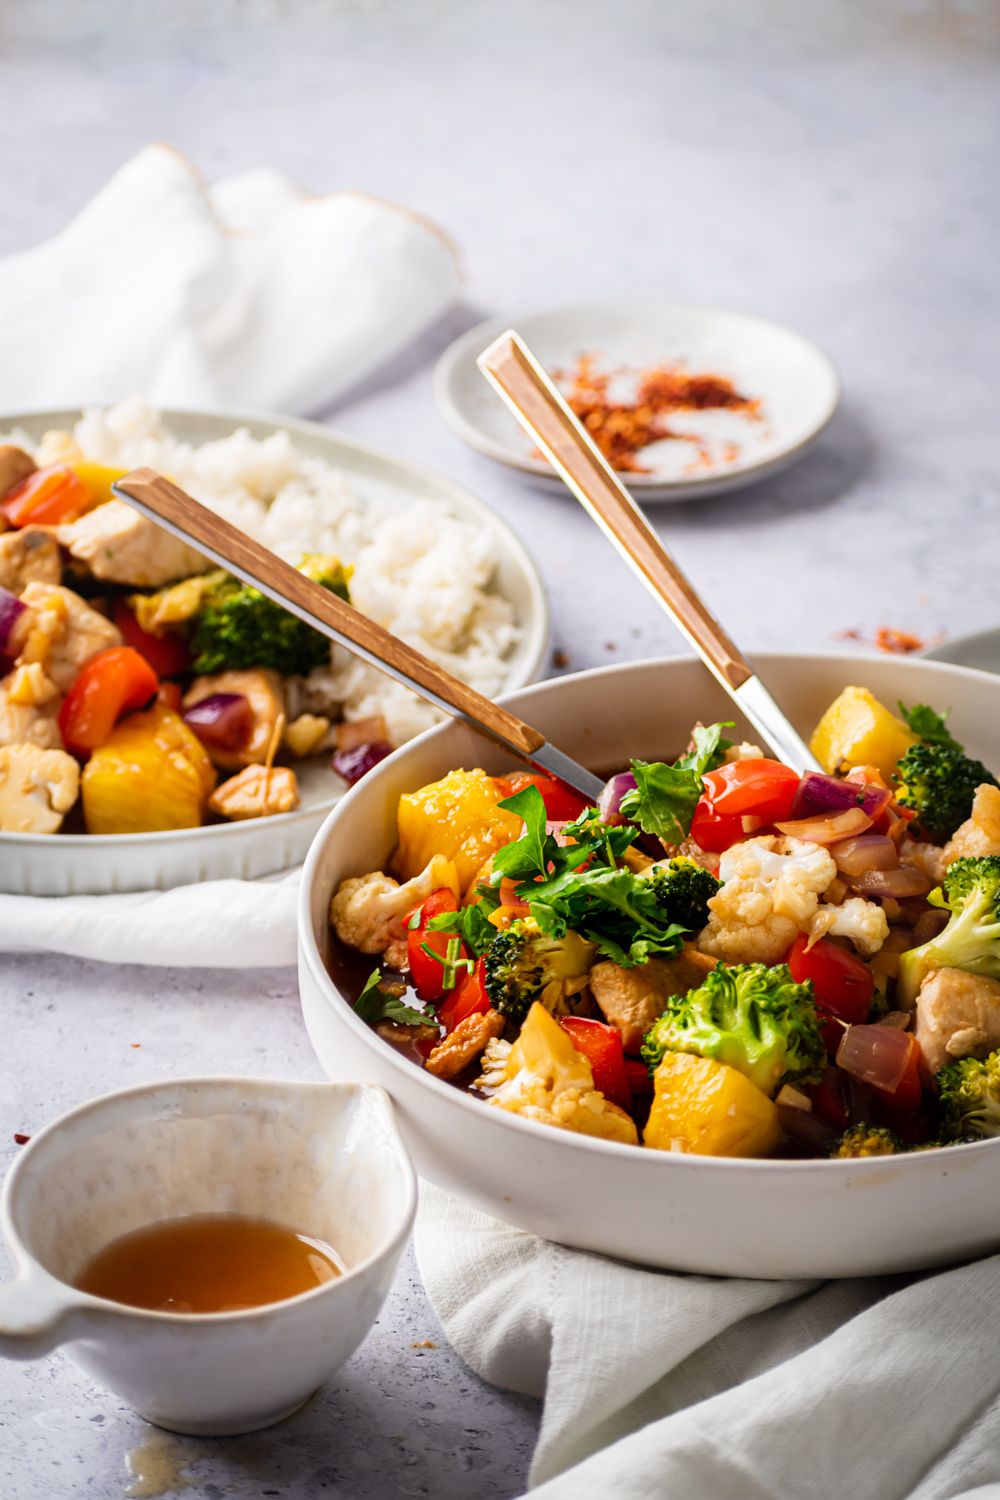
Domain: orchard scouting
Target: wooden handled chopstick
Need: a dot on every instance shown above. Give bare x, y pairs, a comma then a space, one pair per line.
515, 373
165, 503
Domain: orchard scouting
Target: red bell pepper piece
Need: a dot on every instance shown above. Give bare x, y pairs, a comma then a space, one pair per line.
47, 497
426, 973
468, 998
562, 805
602, 1046
168, 655
640, 1080
110, 684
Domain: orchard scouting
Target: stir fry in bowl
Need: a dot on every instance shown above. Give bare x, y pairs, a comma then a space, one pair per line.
723, 958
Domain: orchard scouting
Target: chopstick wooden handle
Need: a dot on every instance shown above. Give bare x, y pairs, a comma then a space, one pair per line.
538, 405
231, 548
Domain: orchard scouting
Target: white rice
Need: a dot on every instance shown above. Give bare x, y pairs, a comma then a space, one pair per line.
418, 570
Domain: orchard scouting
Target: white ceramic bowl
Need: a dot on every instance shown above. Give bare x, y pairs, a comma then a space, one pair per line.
690, 1213
794, 379
79, 864
323, 1159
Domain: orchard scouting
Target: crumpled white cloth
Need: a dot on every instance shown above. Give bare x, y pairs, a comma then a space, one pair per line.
670, 1387
248, 293
219, 924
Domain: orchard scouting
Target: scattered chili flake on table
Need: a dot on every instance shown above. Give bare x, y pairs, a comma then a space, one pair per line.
621, 429
424, 1344
888, 638
21, 1140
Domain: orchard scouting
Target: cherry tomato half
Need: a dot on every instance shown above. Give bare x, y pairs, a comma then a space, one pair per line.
714, 831
842, 984
561, 804
754, 788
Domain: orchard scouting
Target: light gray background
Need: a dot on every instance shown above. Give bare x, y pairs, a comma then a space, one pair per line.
833, 165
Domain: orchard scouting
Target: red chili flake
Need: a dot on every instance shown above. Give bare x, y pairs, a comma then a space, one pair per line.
897, 642
621, 429
21, 1140
135, 1044
560, 659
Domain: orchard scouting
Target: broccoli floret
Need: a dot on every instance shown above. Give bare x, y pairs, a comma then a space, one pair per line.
865, 1140
939, 784
752, 1016
969, 1098
971, 940
523, 965
237, 627
683, 891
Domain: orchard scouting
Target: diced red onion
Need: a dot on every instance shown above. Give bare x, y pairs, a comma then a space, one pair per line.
900, 884
865, 851
614, 790
818, 795
11, 611
354, 763
876, 1054
222, 721
828, 830
899, 1018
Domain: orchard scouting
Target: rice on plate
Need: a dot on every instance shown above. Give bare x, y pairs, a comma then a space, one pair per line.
421, 572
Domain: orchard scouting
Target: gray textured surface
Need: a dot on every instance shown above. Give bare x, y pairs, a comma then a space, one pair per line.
833, 166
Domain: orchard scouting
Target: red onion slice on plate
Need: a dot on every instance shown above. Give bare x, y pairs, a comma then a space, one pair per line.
359, 760
820, 795
828, 830
865, 851
12, 612
611, 798
222, 721
900, 884
875, 1054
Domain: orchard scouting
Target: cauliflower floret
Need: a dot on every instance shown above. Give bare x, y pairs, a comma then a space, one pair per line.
745, 750
770, 893
494, 1064
864, 922
958, 1015
545, 1078
23, 723
980, 833
368, 910
37, 787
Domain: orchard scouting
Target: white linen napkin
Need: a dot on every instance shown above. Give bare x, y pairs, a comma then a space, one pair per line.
220, 924
250, 293
669, 1387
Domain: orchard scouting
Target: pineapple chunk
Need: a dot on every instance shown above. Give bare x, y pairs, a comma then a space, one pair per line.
709, 1109
457, 817
151, 773
858, 730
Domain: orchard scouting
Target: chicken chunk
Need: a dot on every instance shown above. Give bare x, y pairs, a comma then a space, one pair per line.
67, 632
15, 465
368, 910
980, 833
28, 556
256, 792
958, 1015
459, 1048
23, 723
265, 693
37, 788
121, 546
632, 999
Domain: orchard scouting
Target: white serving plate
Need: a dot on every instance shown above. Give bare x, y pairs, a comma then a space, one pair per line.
981, 650
67, 864
795, 380
688, 1213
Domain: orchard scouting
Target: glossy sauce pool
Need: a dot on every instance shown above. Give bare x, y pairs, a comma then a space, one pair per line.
209, 1263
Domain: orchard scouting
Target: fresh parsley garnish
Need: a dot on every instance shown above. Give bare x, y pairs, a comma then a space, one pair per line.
930, 726
450, 960
471, 923
579, 886
665, 797
376, 1004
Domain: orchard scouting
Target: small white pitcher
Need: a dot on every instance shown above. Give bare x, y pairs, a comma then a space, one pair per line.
324, 1159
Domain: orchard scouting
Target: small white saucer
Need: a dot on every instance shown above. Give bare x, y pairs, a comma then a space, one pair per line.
981, 650
795, 381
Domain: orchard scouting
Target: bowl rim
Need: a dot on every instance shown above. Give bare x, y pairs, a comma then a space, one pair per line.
453, 494
29, 1267
309, 953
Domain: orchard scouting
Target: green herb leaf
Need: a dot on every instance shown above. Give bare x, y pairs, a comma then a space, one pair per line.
526, 855
450, 961
375, 1004
665, 797
471, 923
930, 726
